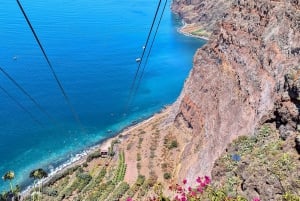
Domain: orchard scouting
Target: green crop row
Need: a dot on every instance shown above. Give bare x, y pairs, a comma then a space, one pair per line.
121, 169
119, 192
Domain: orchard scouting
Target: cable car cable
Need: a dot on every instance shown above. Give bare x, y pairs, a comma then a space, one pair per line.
149, 52
72, 109
141, 58
22, 107
27, 94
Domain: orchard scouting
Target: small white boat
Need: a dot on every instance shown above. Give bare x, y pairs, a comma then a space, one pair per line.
138, 60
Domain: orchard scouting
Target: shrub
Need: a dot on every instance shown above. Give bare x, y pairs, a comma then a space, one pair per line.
170, 142
167, 175
119, 191
140, 140
152, 154
173, 144
291, 197
111, 152
140, 180
92, 156
138, 166
152, 180
129, 146
138, 157
164, 165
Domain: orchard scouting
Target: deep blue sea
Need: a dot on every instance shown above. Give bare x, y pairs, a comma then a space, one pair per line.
93, 46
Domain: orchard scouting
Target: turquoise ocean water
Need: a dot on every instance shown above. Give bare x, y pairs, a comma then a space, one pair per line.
92, 46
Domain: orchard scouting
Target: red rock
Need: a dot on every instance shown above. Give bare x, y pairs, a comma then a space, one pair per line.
237, 77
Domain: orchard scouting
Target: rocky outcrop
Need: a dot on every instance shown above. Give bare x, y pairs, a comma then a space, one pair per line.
202, 12
262, 166
240, 79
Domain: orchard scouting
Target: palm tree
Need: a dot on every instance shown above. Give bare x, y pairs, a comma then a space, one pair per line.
10, 175
37, 175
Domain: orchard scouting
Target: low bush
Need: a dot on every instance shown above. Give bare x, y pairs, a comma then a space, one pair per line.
92, 156
167, 175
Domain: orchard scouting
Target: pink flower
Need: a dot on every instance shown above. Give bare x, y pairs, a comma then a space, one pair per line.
184, 181
256, 199
183, 199
203, 184
198, 180
189, 189
179, 189
207, 180
193, 194
199, 189
129, 199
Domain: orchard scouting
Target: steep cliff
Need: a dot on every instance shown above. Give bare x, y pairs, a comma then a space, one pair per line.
201, 13
240, 79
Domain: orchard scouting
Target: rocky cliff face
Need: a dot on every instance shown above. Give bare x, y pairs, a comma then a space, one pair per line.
202, 12
246, 75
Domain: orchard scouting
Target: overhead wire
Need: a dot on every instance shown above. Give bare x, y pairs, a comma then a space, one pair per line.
142, 56
21, 106
72, 109
27, 94
149, 52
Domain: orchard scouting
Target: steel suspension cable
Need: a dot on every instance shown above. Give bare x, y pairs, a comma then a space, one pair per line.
143, 53
27, 94
21, 106
74, 113
149, 52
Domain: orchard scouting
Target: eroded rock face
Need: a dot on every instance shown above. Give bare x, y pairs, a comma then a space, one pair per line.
239, 77
205, 13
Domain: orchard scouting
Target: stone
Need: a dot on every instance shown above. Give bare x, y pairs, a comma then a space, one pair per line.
297, 141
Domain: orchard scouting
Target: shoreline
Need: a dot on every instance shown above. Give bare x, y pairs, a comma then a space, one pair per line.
81, 157
182, 30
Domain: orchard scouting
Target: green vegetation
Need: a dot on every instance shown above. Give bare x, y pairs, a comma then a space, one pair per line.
269, 162
91, 183
138, 157
167, 175
92, 156
135, 187
119, 192
170, 142
173, 144
82, 179
291, 197
38, 174
121, 170
10, 175
111, 151
144, 188
96, 180
200, 32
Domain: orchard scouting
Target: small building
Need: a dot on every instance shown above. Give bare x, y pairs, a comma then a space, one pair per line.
104, 153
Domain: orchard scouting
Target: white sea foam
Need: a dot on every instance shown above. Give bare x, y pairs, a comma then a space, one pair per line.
55, 170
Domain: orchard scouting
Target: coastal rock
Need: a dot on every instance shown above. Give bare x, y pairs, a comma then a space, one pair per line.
284, 132
239, 79
202, 12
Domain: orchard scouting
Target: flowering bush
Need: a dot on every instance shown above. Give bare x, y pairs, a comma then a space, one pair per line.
185, 193
202, 191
